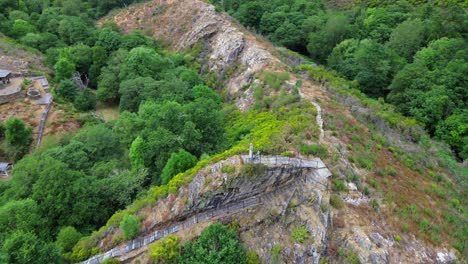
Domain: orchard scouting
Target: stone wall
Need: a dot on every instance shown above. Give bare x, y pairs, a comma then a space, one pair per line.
6, 98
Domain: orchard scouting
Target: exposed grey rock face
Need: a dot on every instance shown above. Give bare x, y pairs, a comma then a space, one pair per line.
184, 23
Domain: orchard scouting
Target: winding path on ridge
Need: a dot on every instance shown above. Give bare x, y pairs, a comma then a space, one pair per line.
319, 118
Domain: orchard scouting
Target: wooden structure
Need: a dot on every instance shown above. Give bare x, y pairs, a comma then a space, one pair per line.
5, 76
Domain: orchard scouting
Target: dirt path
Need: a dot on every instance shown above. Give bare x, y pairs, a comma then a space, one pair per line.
309, 94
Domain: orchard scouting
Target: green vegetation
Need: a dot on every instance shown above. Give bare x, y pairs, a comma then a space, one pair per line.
413, 54
300, 234
276, 252
336, 201
339, 185
251, 170
67, 238
18, 138
316, 150
166, 250
130, 226
177, 163
216, 244
275, 79
229, 169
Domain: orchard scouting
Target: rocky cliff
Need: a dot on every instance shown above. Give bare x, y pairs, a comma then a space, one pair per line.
366, 229
182, 24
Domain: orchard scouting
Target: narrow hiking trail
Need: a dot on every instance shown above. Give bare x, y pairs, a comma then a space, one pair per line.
319, 121
311, 93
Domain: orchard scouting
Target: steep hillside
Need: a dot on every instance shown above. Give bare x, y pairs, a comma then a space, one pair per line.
219, 45
393, 197
20, 59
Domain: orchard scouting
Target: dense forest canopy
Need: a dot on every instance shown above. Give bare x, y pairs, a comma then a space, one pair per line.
411, 53
61, 192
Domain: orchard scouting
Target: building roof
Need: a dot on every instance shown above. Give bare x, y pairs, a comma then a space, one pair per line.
4, 166
4, 73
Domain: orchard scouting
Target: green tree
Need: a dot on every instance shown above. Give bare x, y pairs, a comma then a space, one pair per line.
64, 69
109, 39
130, 226
136, 153
431, 88
25, 248
326, 32
130, 92
67, 238
136, 39
166, 250
368, 62
145, 62
99, 56
109, 80
20, 28
407, 38
454, 131
178, 162
21, 215
250, 13
17, 133
2, 130
216, 244
85, 101
73, 29
66, 90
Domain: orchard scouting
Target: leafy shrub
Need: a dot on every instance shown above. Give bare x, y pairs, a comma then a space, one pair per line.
130, 226
365, 162
229, 169
111, 261
251, 170
178, 162
300, 234
166, 250
316, 150
84, 249
216, 244
275, 79
373, 183
67, 238
375, 205
339, 185
397, 238
424, 225
366, 191
26, 82
66, 90
387, 171
336, 201
276, 252
85, 101
252, 257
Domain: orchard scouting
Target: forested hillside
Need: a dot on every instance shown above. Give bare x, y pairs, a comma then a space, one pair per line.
412, 54
74, 184
177, 129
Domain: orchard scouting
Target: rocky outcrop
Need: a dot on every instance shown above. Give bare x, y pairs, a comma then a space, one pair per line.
182, 24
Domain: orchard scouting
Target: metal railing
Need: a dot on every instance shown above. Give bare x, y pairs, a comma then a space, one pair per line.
222, 210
